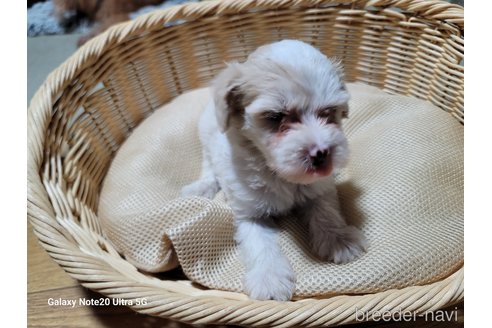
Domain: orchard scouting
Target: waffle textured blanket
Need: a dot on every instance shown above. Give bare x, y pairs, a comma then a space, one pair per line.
403, 187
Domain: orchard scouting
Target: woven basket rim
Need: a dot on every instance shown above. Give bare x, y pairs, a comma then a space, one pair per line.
209, 306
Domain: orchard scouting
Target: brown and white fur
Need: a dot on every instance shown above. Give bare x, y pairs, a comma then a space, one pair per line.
103, 13
271, 138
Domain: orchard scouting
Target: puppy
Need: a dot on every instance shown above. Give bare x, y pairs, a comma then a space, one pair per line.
271, 138
103, 13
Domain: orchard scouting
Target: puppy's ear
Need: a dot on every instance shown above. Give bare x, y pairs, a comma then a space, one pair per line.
228, 96
338, 66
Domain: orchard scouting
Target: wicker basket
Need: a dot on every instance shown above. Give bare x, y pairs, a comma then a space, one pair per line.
90, 105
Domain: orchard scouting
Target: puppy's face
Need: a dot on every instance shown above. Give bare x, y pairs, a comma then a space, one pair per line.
288, 101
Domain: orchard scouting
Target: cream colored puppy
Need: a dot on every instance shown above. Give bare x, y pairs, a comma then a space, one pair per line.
271, 138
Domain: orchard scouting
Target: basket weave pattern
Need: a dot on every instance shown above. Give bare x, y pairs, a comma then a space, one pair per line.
89, 105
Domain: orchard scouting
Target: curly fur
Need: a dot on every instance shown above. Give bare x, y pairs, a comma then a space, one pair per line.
271, 138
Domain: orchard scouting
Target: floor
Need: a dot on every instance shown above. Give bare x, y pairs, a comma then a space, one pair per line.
47, 281
44, 54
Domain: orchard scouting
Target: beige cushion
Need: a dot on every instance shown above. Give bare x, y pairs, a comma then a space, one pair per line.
403, 187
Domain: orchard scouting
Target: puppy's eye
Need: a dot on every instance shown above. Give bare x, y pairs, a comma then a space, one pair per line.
274, 117
329, 114
280, 121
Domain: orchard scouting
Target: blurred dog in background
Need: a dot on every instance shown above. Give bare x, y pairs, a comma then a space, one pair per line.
103, 13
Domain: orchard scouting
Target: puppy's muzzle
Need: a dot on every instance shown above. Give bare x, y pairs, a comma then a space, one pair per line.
319, 159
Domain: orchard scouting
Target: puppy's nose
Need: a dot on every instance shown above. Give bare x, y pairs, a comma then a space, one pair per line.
319, 158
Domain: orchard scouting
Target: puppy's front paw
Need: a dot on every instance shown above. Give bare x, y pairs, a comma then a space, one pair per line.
276, 281
201, 188
340, 245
